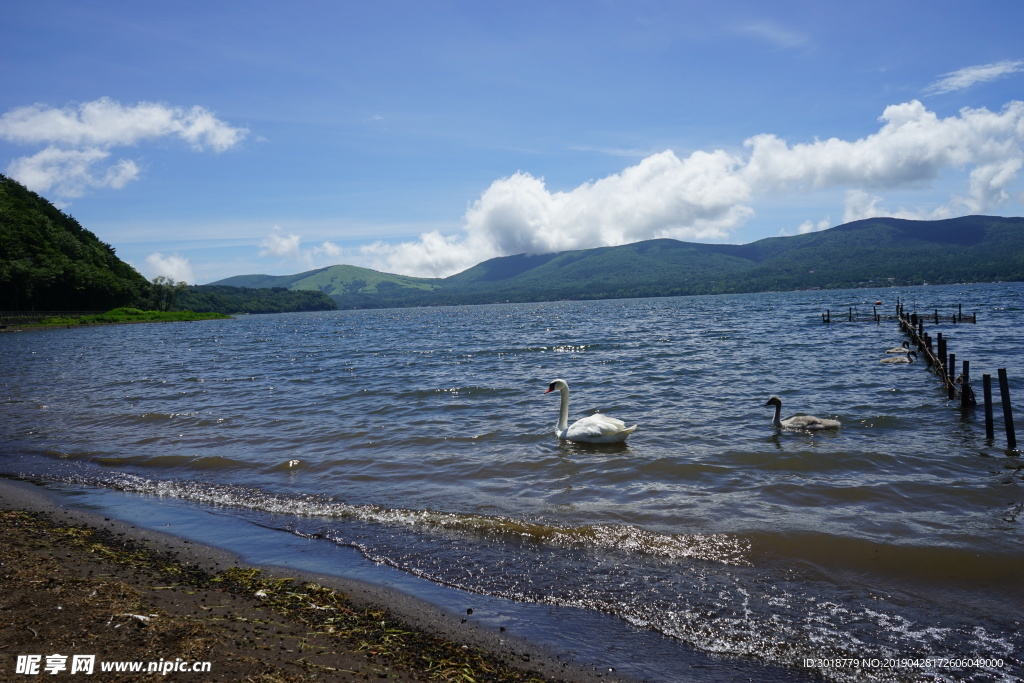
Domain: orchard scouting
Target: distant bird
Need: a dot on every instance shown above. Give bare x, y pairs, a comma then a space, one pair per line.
596, 428
903, 348
910, 357
803, 422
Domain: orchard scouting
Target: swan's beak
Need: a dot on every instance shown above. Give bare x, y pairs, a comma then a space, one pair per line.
548, 390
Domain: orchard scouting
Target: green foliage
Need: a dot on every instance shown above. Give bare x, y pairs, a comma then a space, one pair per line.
226, 299
130, 315
50, 262
164, 291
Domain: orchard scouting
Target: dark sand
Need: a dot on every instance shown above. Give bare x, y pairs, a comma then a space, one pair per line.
77, 583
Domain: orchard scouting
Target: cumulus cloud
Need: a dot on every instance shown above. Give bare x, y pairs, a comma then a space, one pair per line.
78, 141
811, 226
175, 267
71, 172
966, 77
289, 248
707, 195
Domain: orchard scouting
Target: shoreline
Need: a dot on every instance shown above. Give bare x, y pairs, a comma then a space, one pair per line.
75, 582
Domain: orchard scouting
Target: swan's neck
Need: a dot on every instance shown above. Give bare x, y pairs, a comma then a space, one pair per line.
778, 414
563, 413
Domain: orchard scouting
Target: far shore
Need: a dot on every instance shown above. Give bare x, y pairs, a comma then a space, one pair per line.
118, 316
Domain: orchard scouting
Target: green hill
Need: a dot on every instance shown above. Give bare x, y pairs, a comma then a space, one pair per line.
350, 286
872, 252
50, 262
334, 281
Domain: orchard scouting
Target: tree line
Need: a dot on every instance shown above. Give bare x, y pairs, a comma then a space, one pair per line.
49, 262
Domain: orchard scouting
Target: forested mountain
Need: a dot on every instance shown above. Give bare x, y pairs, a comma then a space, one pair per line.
223, 299
868, 253
50, 262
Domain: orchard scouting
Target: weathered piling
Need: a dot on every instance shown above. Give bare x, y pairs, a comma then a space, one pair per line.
950, 385
942, 362
986, 387
936, 317
967, 398
1004, 391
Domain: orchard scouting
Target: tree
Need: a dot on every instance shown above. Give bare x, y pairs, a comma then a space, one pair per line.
165, 291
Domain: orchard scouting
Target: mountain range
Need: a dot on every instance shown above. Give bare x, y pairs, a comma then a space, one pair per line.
867, 253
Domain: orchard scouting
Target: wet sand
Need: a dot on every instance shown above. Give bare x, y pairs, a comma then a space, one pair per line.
75, 583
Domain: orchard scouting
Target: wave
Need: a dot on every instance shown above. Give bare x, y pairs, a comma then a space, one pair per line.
720, 548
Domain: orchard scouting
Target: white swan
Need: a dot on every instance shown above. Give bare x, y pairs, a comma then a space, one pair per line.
900, 349
910, 357
596, 428
805, 422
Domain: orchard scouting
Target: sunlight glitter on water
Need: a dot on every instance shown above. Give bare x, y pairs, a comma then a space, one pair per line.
422, 438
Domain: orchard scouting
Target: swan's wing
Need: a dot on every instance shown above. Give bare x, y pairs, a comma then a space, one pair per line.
809, 422
598, 428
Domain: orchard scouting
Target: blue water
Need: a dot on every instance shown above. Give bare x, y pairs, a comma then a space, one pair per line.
422, 438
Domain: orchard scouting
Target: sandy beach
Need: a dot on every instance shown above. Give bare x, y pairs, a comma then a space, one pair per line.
77, 584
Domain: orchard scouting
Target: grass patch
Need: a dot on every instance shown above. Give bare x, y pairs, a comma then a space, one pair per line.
131, 315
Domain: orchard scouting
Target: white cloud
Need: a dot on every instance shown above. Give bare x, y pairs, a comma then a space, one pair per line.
707, 195
106, 123
71, 173
280, 245
860, 204
289, 248
175, 267
809, 226
78, 141
966, 77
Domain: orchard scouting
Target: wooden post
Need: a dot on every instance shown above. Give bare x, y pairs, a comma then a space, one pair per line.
986, 385
941, 356
947, 373
965, 385
936, 316
851, 314
1004, 390
960, 311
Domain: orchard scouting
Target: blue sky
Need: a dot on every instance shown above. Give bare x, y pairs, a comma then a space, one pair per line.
209, 139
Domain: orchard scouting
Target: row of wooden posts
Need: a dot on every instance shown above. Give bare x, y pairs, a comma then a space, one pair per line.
853, 315
944, 363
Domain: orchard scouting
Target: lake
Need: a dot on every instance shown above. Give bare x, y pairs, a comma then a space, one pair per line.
419, 445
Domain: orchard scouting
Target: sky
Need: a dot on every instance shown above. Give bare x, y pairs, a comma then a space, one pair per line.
204, 140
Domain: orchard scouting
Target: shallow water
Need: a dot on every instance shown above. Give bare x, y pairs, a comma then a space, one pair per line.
422, 438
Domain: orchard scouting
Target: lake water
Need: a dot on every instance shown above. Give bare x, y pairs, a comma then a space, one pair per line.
422, 439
